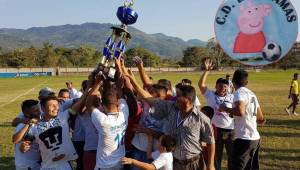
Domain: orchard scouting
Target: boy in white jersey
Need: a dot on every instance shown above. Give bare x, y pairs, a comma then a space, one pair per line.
164, 161
52, 134
111, 126
221, 120
31, 158
247, 113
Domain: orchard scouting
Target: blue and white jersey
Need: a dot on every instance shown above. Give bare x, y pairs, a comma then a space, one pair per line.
53, 139
111, 130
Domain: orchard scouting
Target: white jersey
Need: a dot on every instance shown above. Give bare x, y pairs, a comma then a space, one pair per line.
246, 127
164, 161
74, 93
54, 140
197, 102
91, 133
111, 130
220, 119
29, 158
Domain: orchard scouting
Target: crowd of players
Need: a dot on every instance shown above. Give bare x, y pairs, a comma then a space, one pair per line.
123, 125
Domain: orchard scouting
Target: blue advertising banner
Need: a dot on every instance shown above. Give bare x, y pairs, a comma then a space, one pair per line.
24, 74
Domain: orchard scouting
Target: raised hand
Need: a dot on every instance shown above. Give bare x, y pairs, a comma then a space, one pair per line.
138, 60
208, 64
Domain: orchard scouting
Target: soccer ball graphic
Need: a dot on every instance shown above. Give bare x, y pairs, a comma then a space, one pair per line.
271, 52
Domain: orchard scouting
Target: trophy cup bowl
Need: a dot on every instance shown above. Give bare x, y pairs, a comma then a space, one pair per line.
127, 15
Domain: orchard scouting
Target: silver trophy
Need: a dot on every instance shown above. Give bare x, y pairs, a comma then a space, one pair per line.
116, 43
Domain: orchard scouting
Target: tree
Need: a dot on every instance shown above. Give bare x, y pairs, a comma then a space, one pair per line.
149, 59
193, 56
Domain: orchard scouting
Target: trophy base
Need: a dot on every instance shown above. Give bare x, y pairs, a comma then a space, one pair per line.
120, 30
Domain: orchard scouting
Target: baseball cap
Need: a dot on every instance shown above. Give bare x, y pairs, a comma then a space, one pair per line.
46, 92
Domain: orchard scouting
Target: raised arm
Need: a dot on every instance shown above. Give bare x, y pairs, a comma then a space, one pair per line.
208, 65
144, 77
143, 93
93, 94
19, 135
18, 120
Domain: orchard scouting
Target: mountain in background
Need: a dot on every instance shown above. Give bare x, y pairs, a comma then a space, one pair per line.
93, 34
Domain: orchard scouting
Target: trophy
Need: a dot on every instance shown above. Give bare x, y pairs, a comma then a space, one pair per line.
116, 43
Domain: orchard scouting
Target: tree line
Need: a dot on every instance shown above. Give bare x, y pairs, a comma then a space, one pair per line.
88, 56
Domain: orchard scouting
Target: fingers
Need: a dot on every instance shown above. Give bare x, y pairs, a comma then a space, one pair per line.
126, 160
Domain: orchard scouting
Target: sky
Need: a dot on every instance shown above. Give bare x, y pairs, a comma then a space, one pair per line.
186, 19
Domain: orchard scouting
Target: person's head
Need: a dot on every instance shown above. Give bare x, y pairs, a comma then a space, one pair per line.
240, 78
166, 83
222, 87
296, 76
186, 97
64, 94
228, 77
166, 144
160, 91
151, 78
84, 85
30, 109
69, 84
50, 106
208, 111
110, 96
177, 87
46, 92
186, 82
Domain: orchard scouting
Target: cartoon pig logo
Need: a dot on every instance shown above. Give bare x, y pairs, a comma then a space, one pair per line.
251, 38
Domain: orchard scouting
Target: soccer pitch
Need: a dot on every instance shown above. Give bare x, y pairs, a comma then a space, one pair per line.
280, 136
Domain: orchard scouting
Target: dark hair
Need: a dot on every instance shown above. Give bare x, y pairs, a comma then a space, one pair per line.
186, 81
84, 85
295, 74
63, 91
159, 87
240, 77
168, 142
27, 104
178, 85
222, 81
166, 83
208, 111
45, 100
188, 92
109, 93
227, 75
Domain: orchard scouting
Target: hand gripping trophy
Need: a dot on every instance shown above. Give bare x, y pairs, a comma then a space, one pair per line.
116, 43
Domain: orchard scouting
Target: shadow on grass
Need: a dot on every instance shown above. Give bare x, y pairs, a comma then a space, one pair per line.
268, 150
278, 156
280, 134
289, 123
7, 163
5, 124
274, 165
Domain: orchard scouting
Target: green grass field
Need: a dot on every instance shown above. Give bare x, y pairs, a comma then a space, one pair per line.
280, 141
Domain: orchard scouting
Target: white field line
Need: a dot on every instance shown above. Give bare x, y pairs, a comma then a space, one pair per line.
23, 94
